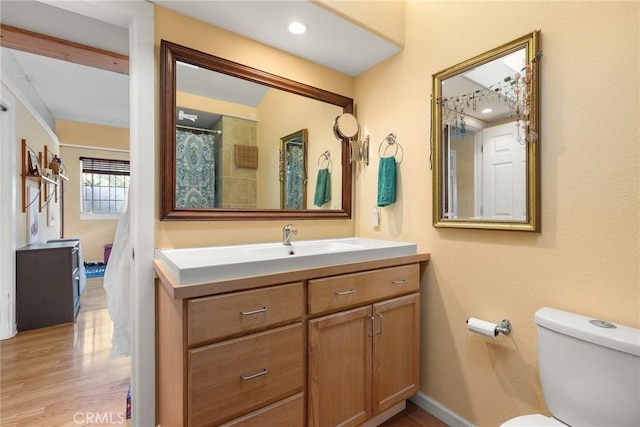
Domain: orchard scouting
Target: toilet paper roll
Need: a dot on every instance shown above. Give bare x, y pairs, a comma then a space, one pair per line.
482, 327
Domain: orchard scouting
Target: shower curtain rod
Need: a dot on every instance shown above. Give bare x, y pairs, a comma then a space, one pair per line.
219, 132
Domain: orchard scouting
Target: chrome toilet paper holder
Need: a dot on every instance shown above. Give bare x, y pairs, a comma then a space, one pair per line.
504, 327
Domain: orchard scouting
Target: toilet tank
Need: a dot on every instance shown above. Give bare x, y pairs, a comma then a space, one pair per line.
590, 373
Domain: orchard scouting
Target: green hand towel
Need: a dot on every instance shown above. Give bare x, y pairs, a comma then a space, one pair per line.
323, 188
387, 181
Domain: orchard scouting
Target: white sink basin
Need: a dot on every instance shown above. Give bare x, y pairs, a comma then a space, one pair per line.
214, 263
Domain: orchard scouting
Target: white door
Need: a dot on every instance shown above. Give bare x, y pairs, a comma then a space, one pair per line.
451, 206
8, 220
504, 177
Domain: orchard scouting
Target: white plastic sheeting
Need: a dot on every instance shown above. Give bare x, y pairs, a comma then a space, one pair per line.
117, 287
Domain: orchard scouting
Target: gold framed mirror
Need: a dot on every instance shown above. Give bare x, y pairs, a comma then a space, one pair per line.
485, 140
198, 87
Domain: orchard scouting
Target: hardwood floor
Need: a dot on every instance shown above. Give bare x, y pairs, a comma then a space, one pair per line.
413, 416
62, 375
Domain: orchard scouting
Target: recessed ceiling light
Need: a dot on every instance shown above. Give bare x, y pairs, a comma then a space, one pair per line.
486, 110
297, 27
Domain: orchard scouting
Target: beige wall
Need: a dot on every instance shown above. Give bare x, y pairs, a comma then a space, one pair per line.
198, 35
586, 257
36, 136
88, 140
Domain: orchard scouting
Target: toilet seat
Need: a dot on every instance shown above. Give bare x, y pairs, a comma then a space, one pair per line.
533, 420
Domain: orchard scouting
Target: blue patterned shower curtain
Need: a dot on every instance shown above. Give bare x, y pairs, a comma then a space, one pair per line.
195, 169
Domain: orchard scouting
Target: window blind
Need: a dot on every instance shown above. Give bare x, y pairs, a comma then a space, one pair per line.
108, 166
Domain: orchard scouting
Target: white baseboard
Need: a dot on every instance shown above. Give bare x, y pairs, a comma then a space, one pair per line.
439, 411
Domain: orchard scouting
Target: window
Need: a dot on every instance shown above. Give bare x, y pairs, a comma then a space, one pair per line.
104, 185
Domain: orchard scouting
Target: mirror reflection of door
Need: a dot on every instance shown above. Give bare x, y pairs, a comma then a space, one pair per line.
293, 170
451, 206
504, 171
485, 174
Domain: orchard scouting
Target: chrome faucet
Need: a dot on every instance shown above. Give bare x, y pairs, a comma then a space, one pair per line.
287, 233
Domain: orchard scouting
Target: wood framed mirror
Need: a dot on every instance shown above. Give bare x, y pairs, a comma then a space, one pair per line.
232, 101
485, 140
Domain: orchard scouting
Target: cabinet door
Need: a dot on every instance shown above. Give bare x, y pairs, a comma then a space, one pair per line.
396, 349
340, 368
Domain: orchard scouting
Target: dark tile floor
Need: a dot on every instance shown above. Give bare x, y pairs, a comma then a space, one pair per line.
413, 416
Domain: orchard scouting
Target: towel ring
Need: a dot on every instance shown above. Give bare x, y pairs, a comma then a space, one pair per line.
326, 156
391, 142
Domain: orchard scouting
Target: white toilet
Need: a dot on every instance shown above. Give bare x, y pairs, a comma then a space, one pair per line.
589, 370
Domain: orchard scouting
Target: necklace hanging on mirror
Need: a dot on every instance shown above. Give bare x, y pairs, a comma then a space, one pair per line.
513, 91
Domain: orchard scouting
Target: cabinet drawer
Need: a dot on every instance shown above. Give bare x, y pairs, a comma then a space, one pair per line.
285, 413
232, 378
215, 318
339, 292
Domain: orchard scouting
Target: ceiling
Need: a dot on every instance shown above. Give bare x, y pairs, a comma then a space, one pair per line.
80, 93
478, 80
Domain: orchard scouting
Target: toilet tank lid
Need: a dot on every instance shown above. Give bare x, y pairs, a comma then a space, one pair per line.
622, 338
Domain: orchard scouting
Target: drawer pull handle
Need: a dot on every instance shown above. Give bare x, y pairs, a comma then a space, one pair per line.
248, 313
400, 282
381, 322
250, 377
350, 291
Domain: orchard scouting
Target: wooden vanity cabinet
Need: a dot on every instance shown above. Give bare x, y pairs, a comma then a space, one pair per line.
320, 347
364, 360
